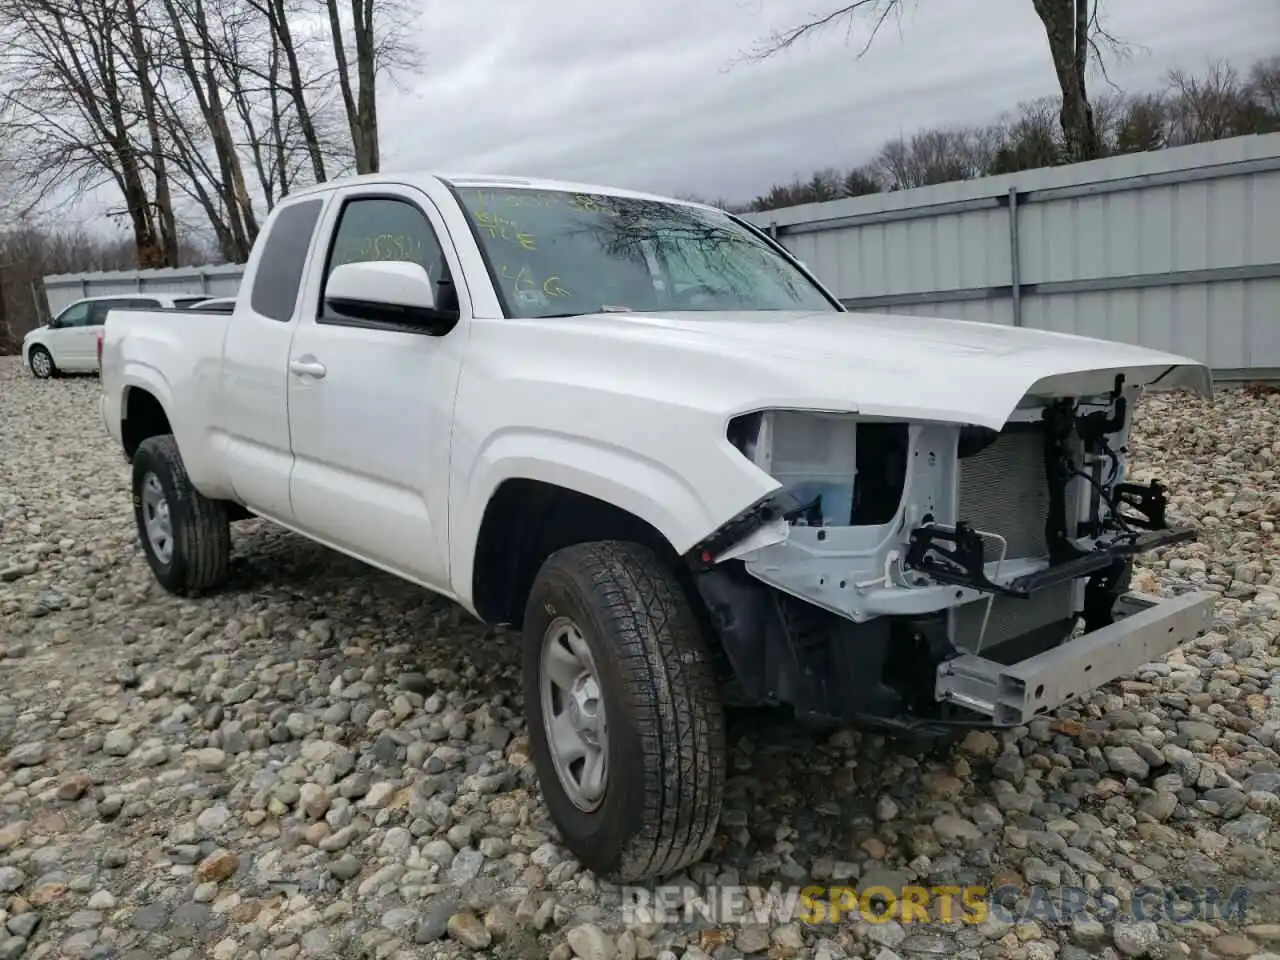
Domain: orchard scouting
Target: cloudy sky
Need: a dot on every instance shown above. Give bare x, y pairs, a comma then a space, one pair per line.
639, 94
657, 96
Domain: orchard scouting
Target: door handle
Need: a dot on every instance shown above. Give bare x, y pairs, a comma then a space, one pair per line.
308, 368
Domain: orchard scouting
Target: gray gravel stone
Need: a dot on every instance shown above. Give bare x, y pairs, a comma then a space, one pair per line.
350, 752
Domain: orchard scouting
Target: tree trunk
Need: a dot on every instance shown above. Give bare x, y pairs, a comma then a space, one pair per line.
236, 192
149, 251
344, 84
240, 221
361, 107
168, 228
1066, 25
280, 27
362, 14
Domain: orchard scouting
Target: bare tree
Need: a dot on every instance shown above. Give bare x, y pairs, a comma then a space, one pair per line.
69, 108
296, 86
1029, 139
934, 156
380, 31
1073, 29
191, 27
139, 55
1264, 91
1211, 106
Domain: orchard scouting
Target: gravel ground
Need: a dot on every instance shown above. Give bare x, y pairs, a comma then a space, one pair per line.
322, 761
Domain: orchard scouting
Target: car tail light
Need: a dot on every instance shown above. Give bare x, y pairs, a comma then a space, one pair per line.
100, 335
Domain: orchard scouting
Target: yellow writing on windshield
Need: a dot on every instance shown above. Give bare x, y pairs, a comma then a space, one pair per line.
500, 228
524, 283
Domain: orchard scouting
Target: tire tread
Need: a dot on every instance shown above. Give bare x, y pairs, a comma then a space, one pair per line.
669, 676
202, 529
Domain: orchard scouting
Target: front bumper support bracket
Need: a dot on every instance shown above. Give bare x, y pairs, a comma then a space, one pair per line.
1144, 630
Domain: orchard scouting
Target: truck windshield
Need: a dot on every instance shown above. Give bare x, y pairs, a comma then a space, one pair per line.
555, 253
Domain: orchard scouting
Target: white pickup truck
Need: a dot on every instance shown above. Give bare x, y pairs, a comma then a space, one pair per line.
640, 432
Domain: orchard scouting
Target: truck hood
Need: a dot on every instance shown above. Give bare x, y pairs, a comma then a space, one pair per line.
902, 366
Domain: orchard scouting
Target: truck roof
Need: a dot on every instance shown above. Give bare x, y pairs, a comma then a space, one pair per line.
412, 177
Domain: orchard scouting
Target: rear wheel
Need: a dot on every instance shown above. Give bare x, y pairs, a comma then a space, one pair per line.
625, 722
186, 536
41, 361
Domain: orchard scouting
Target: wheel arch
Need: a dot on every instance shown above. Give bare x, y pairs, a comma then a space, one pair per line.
142, 415
527, 520
518, 475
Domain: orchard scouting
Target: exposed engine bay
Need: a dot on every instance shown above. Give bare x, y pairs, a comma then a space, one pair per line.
924, 574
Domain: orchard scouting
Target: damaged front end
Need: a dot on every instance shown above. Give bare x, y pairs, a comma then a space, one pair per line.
917, 575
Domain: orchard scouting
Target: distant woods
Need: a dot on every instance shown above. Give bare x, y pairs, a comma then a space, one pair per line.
1189, 108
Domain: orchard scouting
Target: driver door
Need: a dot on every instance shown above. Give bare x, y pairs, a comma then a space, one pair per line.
371, 404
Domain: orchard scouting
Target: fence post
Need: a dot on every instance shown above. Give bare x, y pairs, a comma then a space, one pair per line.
1015, 258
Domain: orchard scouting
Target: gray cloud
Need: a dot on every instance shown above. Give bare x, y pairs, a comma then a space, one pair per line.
637, 95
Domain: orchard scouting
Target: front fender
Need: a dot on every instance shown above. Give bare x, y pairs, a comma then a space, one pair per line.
684, 512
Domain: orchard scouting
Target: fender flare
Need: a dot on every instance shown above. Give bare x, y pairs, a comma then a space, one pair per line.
639, 485
153, 381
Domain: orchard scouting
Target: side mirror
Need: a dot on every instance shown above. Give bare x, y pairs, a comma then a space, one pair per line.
388, 291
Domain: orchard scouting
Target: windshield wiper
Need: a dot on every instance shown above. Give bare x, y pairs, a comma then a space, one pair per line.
604, 308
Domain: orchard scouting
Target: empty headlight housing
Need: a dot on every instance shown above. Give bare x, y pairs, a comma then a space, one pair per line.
812, 454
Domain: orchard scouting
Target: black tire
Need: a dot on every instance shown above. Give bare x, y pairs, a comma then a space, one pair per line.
201, 531
31, 361
665, 722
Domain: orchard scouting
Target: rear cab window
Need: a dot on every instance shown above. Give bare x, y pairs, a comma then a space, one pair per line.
284, 259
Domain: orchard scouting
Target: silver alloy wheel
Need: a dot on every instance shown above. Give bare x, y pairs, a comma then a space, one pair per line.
41, 365
155, 516
573, 714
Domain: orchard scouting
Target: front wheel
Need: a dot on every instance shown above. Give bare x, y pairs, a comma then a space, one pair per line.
186, 536
625, 723
41, 361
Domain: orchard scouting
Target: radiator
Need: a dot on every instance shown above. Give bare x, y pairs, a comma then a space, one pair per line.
1003, 490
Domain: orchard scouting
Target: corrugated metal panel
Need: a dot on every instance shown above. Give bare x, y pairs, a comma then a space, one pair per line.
1174, 249
217, 281
1115, 248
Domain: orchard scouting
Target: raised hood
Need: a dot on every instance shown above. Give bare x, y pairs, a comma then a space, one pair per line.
899, 366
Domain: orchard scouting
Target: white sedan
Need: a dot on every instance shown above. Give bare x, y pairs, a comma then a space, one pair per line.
69, 344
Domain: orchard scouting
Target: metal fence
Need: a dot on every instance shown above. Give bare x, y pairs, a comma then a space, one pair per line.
1175, 249
65, 288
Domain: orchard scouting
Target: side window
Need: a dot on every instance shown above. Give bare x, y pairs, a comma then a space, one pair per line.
384, 228
73, 316
284, 256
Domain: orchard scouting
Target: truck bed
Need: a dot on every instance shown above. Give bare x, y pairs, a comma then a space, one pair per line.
186, 348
